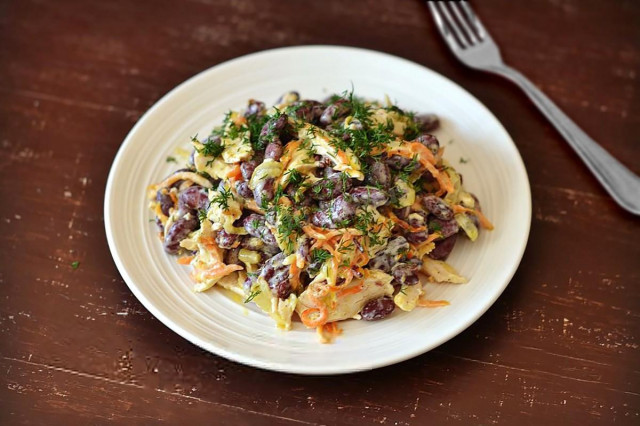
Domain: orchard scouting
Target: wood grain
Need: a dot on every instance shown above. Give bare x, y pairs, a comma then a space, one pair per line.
560, 345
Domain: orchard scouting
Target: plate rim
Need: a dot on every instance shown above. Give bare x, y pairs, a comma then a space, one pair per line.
291, 368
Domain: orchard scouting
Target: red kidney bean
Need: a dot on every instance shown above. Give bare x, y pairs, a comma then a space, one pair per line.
308, 110
430, 142
225, 240
264, 191
332, 185
446, 228
416, 220
242, 188
369, 195
397, 162
379, 174
165, 201
443, 248
402, 213
427, 122
338, 109
322, 219
437, 207
405, 273
255, 226
178, 231
277, 129
377, 308
273, 151
254, 108
247, 169
342, 211
193, 198
276, 274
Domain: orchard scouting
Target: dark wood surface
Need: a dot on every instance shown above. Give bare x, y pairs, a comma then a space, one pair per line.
560, 346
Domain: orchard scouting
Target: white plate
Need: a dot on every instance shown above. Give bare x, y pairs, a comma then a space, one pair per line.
211, 320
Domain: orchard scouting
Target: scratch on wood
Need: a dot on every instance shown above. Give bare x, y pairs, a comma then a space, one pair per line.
135, 385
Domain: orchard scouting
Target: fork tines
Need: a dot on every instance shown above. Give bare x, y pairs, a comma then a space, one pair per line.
458, 23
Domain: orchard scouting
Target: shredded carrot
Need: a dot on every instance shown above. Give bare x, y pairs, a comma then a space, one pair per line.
185, 260
211, 245
294, 272
409, 149
174, 198
351, 290
342, 156
235, 173
328, 332
289, 149
401, 223
320, 233
426, 303
240, 120
305, 316
220, 270
484, 222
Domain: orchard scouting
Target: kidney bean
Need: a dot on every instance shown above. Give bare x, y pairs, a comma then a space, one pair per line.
331, 186
402, 213
308, 110
304, 245
264, 191
242, 188
247, 168
273, 151
178, 231
416, 220
437, 207
276, 274
338, 109
276, 129
255, 226
193, 198
397, 162
165, 202
382, 262
405, 273
427, 122
377, 308
379, 174
342, 211
446, 228
322, 219
443, 248
225, 240
369, 195
430, 142
254, 108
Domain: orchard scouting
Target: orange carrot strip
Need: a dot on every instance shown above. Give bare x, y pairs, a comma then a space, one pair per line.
289, 149
351, 290
235, 173
294, 272
185, 260
305, 316
426, 303
484, 222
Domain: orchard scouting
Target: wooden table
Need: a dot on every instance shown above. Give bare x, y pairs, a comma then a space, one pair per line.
560, 345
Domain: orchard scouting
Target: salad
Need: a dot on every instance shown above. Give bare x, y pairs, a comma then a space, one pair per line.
322, 211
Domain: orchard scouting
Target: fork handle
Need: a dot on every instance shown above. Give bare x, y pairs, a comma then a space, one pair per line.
620, 182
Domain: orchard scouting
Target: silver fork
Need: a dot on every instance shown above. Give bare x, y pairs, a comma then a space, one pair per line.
471, 43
